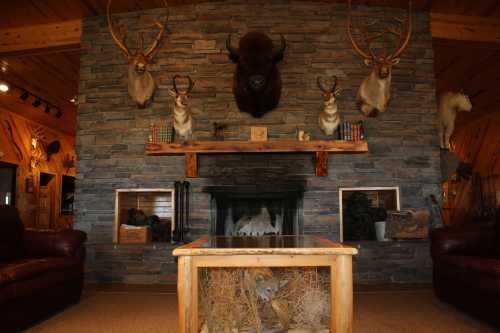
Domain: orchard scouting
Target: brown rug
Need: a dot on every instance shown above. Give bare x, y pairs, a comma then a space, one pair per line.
138, 312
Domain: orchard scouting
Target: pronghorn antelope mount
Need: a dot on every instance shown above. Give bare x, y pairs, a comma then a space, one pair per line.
449, 104
183, 122
329, 119
141, 85
375, 90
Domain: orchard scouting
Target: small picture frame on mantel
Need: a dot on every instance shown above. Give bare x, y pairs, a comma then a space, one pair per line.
258, 133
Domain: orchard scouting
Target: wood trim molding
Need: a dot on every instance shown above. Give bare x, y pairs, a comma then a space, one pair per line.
465, 28
39, 39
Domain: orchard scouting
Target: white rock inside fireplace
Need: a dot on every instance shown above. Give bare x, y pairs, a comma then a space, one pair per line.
257, 225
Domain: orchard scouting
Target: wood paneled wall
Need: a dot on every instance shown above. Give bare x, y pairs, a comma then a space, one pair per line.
29, 203
477, 143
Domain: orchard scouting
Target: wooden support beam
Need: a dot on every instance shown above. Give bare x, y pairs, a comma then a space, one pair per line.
321, 163
191, 165
39, 39
465, 28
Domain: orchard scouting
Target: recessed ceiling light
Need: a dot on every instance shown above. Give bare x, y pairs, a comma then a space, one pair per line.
4, 87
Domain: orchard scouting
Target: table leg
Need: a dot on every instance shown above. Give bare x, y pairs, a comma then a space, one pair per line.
341, 293
184, 297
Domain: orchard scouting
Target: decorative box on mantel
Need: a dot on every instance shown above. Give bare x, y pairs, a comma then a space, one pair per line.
157, 201
322, 148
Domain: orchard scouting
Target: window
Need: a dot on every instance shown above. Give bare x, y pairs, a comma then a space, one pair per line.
7, 184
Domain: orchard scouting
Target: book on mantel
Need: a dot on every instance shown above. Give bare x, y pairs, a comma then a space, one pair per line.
348, 131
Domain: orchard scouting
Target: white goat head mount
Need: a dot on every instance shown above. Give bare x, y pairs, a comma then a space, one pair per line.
183, 122
449, 104
329, 118
374, 92
141, 85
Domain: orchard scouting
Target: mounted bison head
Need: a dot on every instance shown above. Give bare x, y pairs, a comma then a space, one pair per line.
257, 82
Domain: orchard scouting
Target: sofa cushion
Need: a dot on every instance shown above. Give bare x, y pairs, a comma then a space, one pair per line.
11, 230
17, 270
475, 272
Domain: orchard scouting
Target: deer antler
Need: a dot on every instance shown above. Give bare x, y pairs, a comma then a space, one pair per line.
157, 40
118, 42
369, 39
404, 44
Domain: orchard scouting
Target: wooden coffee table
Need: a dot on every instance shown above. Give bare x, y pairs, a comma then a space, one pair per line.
265, 251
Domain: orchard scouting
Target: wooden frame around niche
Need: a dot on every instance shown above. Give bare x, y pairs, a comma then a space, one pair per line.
375, 188
116, 221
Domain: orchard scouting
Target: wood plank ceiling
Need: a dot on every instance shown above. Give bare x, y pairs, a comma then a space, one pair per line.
54, 77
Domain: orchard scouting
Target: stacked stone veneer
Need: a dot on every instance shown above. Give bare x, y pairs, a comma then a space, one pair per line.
112, 130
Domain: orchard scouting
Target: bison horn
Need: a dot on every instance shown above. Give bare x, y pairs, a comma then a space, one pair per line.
233, 53
278, 55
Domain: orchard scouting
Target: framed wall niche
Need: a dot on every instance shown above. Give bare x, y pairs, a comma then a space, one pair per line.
385, 197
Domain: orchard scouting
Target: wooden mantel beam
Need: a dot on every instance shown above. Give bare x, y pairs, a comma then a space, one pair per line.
39, 39
465, 28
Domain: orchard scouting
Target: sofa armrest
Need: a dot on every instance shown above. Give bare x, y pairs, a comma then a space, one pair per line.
476, 240
42, 243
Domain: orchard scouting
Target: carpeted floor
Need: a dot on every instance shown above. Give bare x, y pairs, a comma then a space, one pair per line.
139, 312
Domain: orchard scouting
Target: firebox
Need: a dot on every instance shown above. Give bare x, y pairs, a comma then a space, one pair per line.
249, 211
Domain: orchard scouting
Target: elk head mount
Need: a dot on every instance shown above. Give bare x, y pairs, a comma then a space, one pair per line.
374, 92
257, 81
141, 85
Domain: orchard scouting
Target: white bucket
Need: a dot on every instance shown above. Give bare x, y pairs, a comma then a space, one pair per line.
380, 231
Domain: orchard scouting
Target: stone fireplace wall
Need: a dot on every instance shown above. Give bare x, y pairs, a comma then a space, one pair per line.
112, 130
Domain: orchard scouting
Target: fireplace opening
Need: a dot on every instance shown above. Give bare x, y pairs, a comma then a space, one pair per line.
245, 212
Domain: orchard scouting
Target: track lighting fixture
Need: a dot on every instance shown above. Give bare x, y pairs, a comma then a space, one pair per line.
36, 103
47, 108
24, 96
59, 114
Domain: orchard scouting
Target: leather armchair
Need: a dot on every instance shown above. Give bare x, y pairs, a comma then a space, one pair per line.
466, 263
41, 272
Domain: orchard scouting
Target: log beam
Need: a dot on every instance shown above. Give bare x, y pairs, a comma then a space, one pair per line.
40, 39
465, 28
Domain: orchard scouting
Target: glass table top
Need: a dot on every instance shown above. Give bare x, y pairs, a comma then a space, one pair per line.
267, 242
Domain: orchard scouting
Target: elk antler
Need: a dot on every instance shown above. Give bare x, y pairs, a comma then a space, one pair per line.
369, 39
349, 34
118, 42
121, 43
322, 87
157, 40
404, 44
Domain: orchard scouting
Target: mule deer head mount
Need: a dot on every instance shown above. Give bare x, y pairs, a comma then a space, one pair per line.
374, 92
141, 85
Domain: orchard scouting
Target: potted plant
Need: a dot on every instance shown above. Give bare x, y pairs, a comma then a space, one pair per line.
379, 217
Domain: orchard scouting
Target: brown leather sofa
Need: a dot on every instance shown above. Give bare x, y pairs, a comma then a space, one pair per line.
467, 269
41, 272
